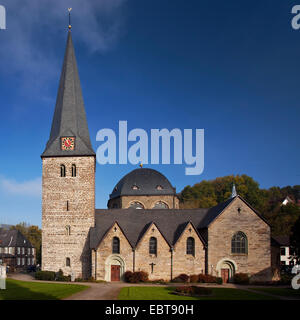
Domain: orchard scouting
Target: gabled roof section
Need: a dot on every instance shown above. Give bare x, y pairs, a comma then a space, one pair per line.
145, 230
170, 223
181, 229
255, 211
13, 238
214, 212
69, 118
96, 245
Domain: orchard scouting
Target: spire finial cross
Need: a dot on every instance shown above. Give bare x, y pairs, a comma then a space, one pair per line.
70, 26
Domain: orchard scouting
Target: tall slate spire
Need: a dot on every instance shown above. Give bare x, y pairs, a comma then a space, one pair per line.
69, 118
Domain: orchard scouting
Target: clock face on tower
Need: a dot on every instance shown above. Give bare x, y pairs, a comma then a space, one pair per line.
67, 143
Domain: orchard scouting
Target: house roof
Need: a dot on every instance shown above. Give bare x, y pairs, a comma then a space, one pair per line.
146, 181
69, 118
13, 238
5, 226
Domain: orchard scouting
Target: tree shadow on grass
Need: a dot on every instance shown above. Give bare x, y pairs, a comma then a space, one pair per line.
17, 291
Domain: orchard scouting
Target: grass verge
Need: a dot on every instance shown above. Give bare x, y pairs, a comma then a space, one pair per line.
24, 290
165, 293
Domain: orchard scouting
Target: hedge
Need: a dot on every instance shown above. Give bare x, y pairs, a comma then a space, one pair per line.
45, 275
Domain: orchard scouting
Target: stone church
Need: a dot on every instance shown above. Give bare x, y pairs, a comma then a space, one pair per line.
143, 228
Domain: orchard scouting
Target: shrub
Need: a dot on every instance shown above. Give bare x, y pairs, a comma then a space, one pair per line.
241, 278
177, 280
59, 276
206, 278
219, 280
194, 278
158, 281
184, 289
286, 279
127, 276
181, 278
65, 278
193, 290
45, 275
135, 277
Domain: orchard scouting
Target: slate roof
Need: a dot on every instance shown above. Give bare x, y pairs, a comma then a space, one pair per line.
69, 118
170, 222
13, 238
146, 180
5, 226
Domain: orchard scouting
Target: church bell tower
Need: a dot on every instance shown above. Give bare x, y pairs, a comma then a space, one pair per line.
68, 186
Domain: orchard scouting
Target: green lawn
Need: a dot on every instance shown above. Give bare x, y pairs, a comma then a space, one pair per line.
23, 290
165, 293
284, 292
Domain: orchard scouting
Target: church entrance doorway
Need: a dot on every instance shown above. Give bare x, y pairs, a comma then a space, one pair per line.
225, 275
226, 268
115, 273
114, 268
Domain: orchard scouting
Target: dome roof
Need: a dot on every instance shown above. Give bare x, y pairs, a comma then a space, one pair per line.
143, 181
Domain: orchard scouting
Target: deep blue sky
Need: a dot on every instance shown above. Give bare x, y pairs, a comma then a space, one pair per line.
230, 67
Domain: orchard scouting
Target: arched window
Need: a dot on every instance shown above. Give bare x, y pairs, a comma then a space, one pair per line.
190, 246
68, 262
73, 170
136, 205
62, 170
239, 243
153, 245
68, 230
160, 205
116, 245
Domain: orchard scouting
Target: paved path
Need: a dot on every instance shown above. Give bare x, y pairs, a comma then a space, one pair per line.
110, 290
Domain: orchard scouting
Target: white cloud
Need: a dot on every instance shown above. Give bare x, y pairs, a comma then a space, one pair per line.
35, 28
25, 188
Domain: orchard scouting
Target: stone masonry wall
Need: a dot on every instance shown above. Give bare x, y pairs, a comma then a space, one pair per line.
105, 257
187, 263
141, 260
79, 191
162, 260
149, 201
258, 260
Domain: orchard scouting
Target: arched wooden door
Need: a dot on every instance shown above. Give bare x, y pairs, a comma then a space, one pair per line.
115, 273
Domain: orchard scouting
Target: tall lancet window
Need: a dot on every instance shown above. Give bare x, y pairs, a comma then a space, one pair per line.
190, 246
116, 245
153, 245
62, 170
73, 170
